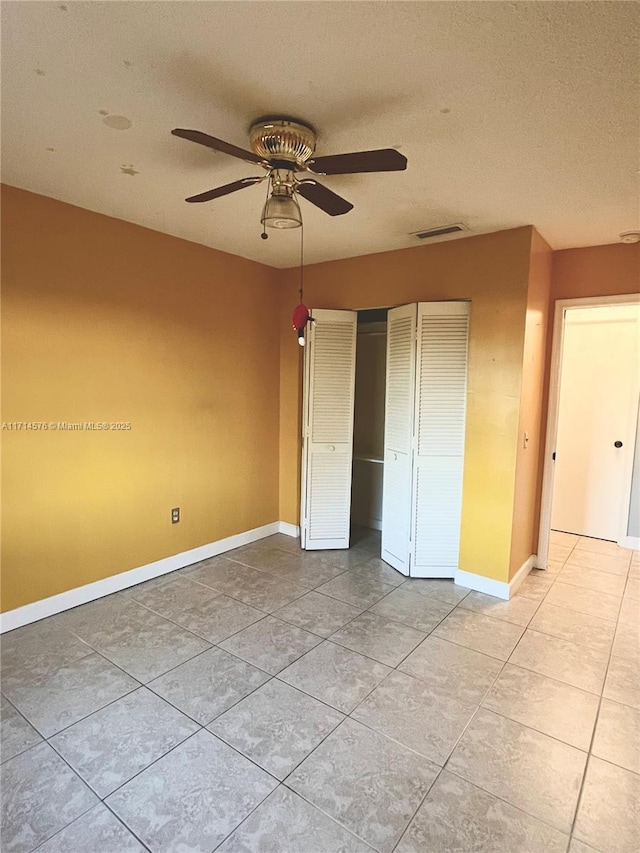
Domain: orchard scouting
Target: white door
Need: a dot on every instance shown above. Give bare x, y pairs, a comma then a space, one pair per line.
439, 432
398, 436
327, 449
597, 412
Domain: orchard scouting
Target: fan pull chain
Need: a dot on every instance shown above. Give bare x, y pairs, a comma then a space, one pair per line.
301, 317
264, 234
301, 260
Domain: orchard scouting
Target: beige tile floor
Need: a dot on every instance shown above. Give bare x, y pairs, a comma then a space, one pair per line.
275, 701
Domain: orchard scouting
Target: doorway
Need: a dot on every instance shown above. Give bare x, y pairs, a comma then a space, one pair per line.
592, 465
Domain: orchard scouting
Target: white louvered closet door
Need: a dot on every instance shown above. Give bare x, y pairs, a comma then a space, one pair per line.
398, 434
330, 366
439, 418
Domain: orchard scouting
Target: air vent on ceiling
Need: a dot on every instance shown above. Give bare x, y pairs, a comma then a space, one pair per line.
439, 232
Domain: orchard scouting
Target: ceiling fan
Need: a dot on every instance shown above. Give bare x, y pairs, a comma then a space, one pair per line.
286, 146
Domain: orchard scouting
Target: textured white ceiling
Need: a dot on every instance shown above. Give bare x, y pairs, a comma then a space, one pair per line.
509, 114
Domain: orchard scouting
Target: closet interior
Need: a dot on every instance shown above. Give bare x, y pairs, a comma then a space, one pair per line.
368, 419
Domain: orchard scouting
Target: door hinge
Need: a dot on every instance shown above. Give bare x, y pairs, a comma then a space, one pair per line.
553, 456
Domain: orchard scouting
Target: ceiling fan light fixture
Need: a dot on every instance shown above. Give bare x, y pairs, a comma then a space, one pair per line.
281, 211
283, 146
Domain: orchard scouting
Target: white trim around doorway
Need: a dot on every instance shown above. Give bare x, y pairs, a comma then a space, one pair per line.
561, 305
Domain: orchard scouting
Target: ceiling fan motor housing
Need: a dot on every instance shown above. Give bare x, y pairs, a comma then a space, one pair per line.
278, 139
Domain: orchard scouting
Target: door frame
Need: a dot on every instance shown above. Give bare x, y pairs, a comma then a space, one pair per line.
561, 305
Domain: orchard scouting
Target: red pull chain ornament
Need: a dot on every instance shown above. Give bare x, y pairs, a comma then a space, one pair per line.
301, 315
300, 318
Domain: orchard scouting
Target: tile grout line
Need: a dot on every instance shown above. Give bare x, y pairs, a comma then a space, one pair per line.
349, 716
47, 738
182, 742
480, 707
95, 805
204, 727
533, 729
323, 639
22, 717
140, 685
593, 734
444, 765
590, 753
283, 781
143, 684
266, 613
326, 814
103, 799
393, 740
413, 816
96, 650
82, 782
199, 731
100, 650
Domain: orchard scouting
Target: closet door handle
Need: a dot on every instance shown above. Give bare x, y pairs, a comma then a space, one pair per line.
395, 457
331, 447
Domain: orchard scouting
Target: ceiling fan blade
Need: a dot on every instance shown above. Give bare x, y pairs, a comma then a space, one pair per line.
226, 189
382, 160
216, 144
323, 198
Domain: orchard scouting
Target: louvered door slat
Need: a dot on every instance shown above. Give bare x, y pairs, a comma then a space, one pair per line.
438, 497
440, 412
330, 357
400, 392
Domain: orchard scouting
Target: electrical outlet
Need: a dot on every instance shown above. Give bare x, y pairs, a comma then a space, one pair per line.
175, 515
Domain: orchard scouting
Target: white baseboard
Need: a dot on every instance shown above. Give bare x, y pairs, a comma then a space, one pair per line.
489, 586
89, 592
288, 529
521, 574
479, 583
632, 542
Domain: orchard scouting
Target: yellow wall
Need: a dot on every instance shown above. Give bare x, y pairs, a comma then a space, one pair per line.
596, 271
291, 360
524, 537
493, 271
107, 321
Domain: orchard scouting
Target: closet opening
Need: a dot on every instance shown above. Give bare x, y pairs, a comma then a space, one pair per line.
368, 429
383, 427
